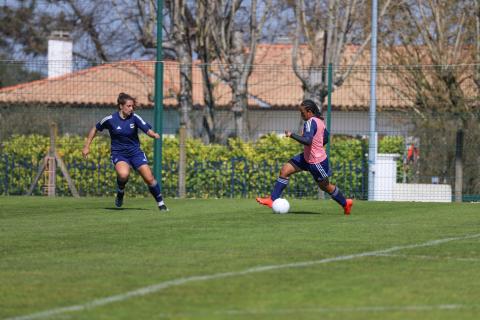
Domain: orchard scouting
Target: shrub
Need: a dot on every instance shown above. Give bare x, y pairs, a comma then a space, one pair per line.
237, 169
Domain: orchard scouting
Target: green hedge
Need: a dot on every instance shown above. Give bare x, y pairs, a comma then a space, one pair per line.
238, 169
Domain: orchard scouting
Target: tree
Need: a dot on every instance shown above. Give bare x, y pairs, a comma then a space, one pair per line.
26, 39
476, 27
235, 58
181, 21
326, 28
437, 51
14, 72
205, 22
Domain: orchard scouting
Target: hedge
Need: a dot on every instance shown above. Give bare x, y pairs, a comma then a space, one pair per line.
238, 169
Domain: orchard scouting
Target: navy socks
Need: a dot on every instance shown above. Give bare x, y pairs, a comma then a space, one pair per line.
155, 191
278, 188
338, 196
121, 185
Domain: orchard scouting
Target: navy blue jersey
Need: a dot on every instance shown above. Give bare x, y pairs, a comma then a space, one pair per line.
123, 133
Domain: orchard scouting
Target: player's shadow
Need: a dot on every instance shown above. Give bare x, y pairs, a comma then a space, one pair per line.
126, 209
305, 212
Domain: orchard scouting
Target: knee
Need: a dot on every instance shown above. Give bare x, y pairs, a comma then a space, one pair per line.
324, 185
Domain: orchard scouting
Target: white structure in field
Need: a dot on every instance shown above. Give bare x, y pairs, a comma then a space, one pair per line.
387, 188
385, 176
60, 53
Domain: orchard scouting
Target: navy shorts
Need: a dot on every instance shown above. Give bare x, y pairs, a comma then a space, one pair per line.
320, 171
135, 161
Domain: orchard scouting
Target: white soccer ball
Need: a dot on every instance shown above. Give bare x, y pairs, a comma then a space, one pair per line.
280, 205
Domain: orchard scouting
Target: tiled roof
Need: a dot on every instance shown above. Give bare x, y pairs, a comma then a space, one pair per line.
98, 85
272, 83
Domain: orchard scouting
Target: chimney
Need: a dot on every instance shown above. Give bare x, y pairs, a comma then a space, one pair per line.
60, 52
283, 40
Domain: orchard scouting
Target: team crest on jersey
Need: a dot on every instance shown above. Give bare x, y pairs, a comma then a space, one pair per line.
132, 125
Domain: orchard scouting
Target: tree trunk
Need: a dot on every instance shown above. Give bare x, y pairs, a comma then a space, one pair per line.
239, 109
182, 163
185, 95
459, 166
209, 110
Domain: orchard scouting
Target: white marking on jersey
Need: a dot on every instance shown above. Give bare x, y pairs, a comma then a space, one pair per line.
308, 125
105, 119
119, 128
140, 118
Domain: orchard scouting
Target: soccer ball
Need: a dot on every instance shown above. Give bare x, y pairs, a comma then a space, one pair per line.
280, 205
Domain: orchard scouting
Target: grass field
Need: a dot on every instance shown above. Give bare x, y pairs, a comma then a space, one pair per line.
232, 259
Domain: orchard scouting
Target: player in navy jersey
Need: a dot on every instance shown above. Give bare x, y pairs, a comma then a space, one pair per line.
313, 159
125, 147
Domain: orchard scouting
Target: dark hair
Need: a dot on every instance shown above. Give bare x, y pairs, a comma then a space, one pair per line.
123, 97
311, 106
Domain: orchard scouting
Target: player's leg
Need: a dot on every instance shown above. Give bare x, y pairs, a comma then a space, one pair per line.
336, 195
153, 186
123, 171
289, 168
321, 172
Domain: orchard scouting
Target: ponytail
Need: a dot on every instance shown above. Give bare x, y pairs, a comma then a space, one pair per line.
123, 98
311, 106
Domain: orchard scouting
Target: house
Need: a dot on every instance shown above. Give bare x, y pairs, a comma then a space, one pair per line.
76, 100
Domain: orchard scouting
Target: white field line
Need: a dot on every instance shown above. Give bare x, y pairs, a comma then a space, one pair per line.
408, 256
369, 309
177, 282
356, 309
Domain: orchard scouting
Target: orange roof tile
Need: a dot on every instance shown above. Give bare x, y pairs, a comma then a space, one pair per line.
272, 83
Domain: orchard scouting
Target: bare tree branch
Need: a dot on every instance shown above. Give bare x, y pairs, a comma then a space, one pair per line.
326, 41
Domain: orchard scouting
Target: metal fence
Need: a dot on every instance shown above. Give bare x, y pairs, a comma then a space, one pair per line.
207, 179
422, 127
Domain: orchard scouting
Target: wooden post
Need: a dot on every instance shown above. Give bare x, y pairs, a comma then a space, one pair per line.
49, 167
182, 161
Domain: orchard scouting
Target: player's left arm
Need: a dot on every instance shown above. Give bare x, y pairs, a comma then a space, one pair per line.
152, 134
145, 127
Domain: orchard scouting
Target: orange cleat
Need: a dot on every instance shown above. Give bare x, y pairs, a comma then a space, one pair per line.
348, 207
267, 201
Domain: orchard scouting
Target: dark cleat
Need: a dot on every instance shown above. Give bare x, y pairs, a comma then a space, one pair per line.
119, 199
163, 208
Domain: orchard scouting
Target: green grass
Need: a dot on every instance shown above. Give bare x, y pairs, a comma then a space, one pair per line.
57, 253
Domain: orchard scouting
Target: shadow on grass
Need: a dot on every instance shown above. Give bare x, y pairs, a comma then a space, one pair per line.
126, 209
304, 212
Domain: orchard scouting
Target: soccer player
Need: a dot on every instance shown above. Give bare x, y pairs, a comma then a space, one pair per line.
313, 159
125, 147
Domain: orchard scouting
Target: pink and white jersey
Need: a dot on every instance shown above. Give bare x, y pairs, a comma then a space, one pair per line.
314, 128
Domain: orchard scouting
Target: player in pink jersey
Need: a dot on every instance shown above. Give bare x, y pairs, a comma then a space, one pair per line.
313, 159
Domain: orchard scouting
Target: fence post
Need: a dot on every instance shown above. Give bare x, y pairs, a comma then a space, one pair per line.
459, 166
51, 168
6, 175
232, 178
182, 161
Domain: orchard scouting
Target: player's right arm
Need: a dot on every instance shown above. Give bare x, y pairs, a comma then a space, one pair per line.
309, 130
103, 124
86, 148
